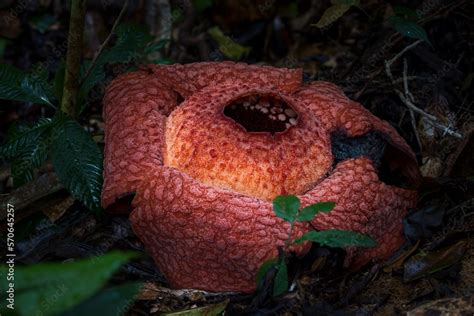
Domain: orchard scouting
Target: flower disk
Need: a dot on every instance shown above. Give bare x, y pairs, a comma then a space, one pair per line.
202, 142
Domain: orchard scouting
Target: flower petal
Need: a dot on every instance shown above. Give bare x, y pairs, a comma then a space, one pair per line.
204, 237
337, 112
189, 78
133, 113
363, 204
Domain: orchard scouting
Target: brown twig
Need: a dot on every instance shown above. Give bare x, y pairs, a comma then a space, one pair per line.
412, 99
397, 56
390, 42
408, 100
105, 43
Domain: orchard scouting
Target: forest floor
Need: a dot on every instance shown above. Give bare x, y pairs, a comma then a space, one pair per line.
408, 62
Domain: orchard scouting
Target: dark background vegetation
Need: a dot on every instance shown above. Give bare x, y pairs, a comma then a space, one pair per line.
408, 62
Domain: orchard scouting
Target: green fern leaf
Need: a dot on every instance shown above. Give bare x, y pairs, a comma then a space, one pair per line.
30, 158
78, 162
19, 86
131, 44
22, 138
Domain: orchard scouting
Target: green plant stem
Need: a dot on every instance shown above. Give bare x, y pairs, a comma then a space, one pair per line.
288, 241
73, 58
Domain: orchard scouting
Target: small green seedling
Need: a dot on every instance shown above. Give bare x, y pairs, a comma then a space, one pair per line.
287, 207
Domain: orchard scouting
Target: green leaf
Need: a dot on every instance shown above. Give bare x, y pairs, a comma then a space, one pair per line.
36, 90
52, 288
334, 12
162, 61
19, 86
16, 128
286, 207
338, 238
96, 75
208, 310
132, 39
3, 45
10, 80
310, 211
23, 138
201, 5
42, 22
264, 268
38, 79
227, 46
78, 162
22, 172
408, 28
280, 285
109, 302
30, 158
131, 42
153, 47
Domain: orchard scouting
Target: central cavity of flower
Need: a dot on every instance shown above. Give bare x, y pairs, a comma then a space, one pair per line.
262, 113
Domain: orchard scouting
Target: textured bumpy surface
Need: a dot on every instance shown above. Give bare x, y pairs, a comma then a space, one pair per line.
363, 204
265, 163
203, 184
204, 237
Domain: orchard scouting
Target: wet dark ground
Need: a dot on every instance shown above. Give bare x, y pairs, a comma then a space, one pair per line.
437, 259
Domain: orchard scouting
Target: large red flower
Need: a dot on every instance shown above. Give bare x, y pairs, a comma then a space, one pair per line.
205, 147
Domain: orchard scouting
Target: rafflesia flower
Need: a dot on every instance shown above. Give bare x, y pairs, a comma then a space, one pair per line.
205, 148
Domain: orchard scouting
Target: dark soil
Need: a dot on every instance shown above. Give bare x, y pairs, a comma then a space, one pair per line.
437, 260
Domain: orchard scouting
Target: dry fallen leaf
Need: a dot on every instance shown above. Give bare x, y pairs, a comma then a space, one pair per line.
209, 310
431, 262
57, 210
